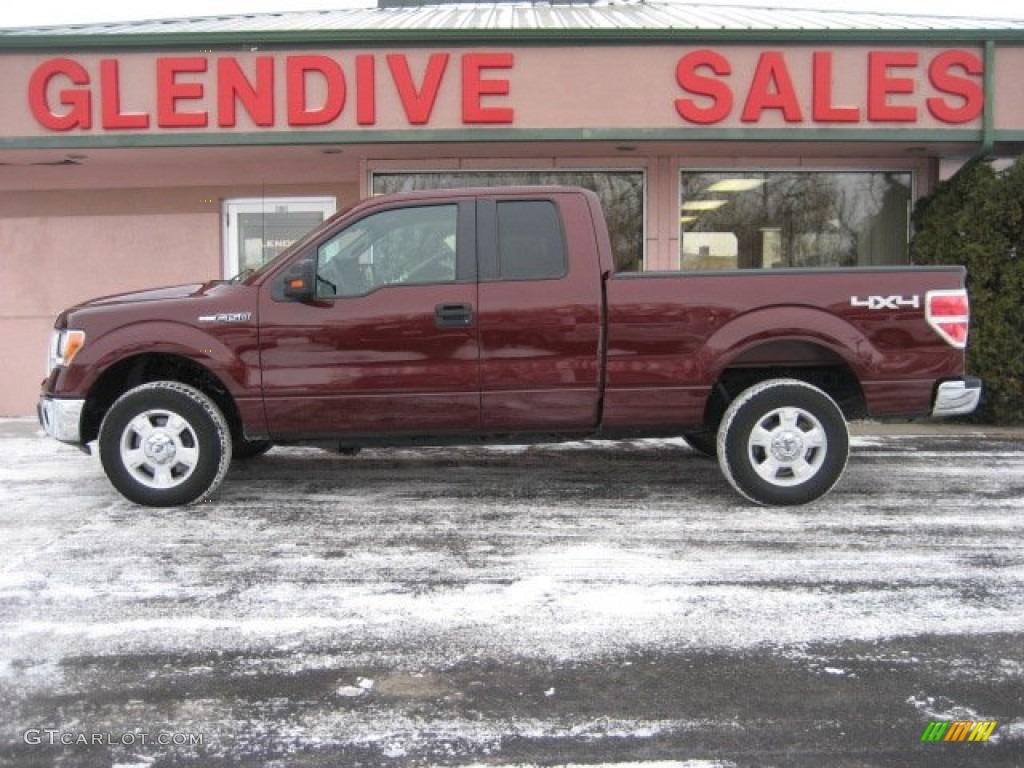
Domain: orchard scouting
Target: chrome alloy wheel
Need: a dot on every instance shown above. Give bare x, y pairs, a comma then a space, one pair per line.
787, 446
159, 448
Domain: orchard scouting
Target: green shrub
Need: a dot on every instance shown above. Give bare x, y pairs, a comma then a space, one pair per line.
977, 219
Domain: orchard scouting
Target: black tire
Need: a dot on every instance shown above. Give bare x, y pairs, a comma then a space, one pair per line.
783, 442
705, 443
165, 444
243, 449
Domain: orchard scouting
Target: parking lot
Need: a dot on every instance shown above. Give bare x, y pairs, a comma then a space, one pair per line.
592, 603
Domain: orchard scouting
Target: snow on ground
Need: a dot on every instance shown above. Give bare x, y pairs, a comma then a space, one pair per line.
425, 559
282, 559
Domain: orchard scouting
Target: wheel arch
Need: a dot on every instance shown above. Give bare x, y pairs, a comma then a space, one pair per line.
804, 359
794, 341
130, 372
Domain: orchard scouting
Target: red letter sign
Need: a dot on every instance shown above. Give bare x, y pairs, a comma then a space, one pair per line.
417, 102
366, 94
299, 112
716, 90
110, 89
824, 111
80, 114
771, 88
968, 90
881, 86
169, 92
474, 88
233, 86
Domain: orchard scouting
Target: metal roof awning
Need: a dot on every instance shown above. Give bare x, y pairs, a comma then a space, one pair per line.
601, 20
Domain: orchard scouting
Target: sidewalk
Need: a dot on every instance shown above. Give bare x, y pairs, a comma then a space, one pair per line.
926, 427
24, 427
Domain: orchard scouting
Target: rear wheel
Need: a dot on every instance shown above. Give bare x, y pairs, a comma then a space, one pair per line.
165, 444
783, 442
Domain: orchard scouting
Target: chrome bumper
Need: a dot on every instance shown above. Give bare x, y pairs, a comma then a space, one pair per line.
956, 398
61, 418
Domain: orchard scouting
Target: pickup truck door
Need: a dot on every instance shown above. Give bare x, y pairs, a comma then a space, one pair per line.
389, 346
539, 314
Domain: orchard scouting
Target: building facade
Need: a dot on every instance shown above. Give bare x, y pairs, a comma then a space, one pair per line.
147, 154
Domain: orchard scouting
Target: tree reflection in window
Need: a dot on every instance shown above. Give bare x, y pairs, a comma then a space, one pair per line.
793, 219
403, 246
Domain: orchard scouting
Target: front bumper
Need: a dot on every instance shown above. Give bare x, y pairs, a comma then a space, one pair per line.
61, 418
956, 398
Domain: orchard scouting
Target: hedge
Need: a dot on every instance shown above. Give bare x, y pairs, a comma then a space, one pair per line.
977, 219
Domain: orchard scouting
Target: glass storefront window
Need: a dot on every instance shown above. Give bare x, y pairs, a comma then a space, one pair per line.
258, 229
621, 194
793, 219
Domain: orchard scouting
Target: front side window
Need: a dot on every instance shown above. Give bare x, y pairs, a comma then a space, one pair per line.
793, 219
404, 246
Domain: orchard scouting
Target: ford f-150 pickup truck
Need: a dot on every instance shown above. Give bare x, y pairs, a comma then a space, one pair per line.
451, 317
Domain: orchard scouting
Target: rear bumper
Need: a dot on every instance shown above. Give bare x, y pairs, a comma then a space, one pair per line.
956, 398
61, 418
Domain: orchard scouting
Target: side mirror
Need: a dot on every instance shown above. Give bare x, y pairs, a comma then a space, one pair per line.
300, 281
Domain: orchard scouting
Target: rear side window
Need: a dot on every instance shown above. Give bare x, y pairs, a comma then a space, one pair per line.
530, 241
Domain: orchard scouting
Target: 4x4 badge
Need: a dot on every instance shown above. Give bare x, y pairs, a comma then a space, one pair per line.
886, 302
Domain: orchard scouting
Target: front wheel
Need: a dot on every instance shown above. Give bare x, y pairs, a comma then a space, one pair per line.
783, 442
165, 444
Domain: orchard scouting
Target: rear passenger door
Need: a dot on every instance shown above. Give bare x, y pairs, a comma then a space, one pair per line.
539, 314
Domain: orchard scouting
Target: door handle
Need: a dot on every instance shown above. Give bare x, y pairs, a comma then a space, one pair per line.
453, 315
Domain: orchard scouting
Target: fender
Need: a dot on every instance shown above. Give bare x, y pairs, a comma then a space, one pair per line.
236, 365
789, 323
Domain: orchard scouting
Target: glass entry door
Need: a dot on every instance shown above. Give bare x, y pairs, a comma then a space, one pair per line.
258, 229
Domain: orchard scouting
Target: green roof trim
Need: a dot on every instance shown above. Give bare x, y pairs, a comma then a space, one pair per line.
270, 138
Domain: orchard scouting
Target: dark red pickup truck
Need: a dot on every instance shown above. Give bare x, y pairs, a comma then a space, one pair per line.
496, 315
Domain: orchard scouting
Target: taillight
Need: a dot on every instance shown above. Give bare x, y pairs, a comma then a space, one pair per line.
949, 313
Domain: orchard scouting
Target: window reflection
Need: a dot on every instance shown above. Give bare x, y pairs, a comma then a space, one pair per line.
793, 219
398, 247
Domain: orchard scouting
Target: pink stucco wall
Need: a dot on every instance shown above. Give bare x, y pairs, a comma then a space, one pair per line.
52, 258
62, 247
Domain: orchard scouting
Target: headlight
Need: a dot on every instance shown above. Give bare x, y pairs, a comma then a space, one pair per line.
64, 345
